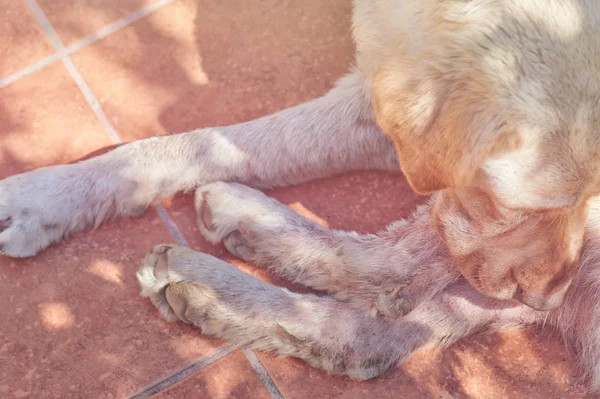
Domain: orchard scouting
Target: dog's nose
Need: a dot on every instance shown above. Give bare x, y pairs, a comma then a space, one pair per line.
553, 293
540, 302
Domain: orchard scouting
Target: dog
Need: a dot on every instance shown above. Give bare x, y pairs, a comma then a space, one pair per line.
489, 105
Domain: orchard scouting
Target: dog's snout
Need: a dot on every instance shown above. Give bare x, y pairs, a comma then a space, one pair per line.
548, 295
541, 302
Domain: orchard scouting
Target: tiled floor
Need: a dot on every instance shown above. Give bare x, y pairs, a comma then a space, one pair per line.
78, 76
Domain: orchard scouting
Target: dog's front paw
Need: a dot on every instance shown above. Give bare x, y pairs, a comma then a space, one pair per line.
239, 216
177, 281
37, 208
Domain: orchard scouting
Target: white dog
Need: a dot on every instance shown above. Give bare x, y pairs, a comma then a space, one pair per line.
491, 105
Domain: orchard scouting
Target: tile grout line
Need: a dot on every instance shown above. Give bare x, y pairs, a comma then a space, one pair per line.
262, 374
29, 70
171, 225
75, 75
177, 376
62, 53
101, 34
118, 24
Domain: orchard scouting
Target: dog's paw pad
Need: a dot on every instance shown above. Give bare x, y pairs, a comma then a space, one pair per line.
154, 279
238, 245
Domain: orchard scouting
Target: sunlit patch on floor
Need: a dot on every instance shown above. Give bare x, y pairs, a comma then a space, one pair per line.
56, 315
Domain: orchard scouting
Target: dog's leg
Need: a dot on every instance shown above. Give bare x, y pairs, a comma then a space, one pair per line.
389, 273
342, 339
328, 135
225, 302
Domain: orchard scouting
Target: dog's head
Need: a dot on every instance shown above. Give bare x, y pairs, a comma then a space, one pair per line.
500, 118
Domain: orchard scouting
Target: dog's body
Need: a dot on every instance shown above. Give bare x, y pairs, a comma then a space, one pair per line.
491, 104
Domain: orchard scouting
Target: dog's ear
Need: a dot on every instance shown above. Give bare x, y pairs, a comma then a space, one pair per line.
442, 134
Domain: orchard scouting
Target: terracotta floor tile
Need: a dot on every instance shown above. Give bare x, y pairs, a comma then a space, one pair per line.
75, 20
23, 42
44, 120
74, 324
195, 64
229, 378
